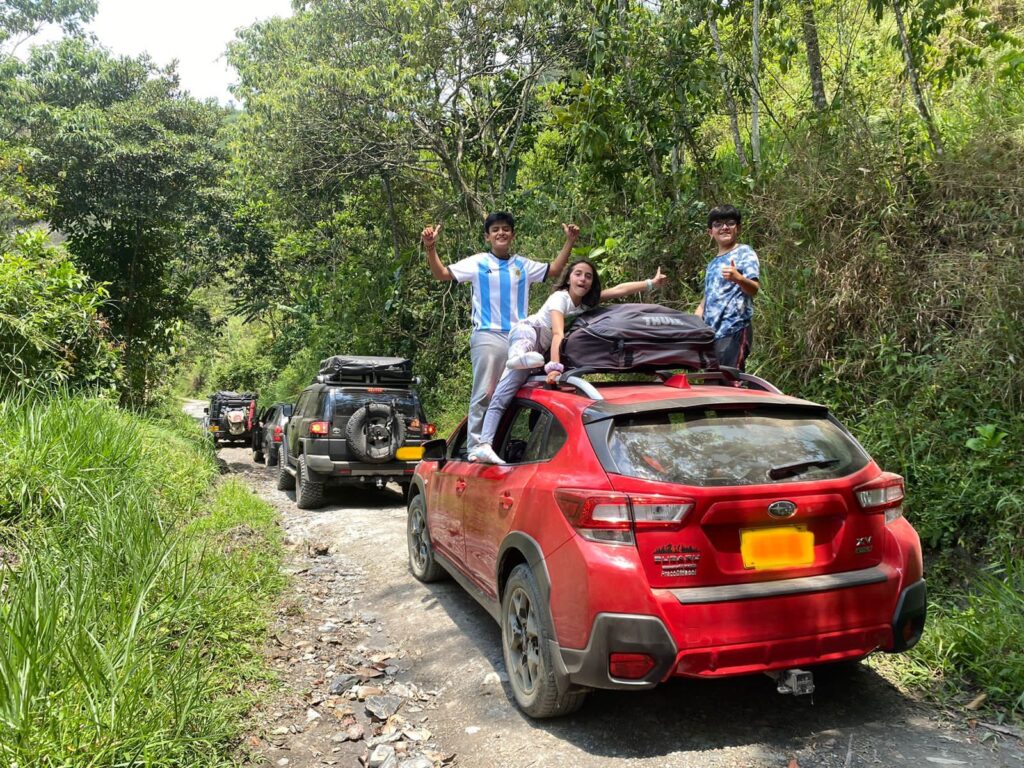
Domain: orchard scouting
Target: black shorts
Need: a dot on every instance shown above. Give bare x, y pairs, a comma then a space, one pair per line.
732, 350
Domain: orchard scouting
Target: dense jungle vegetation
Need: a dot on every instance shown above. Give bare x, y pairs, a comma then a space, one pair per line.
153, 242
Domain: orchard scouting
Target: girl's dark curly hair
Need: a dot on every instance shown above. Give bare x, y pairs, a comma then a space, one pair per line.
593, 296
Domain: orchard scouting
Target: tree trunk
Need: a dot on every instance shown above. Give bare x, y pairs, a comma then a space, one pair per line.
810, 28
391, 213
755, 96
915, 85
730, 102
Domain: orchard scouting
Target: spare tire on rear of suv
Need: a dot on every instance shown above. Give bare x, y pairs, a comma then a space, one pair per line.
375, 432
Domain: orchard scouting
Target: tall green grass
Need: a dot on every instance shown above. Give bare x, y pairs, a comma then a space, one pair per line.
134, 599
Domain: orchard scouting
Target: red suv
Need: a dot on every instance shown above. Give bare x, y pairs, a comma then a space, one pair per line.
682, 527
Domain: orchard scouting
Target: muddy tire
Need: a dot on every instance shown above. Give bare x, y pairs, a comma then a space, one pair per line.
257, 456
271, 453
309, 494
526, 632
285, 480
421, 551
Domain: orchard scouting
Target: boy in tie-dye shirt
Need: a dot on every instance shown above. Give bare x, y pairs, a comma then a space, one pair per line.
730, 284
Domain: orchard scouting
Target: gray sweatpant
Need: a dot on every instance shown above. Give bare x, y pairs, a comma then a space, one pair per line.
522, 338
488, 351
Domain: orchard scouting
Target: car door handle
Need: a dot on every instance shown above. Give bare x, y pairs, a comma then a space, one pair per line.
505, 501
460, 486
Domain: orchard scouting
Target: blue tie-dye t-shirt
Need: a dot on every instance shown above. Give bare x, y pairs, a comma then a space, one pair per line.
727, 309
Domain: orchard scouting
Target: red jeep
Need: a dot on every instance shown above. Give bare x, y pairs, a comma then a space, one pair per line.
681, 527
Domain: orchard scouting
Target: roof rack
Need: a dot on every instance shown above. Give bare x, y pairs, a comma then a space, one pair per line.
574, 378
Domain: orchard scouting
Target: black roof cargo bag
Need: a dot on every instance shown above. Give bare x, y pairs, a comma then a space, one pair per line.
638, 337
366, 369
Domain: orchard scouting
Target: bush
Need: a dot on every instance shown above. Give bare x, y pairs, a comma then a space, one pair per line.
130, 618
51, 330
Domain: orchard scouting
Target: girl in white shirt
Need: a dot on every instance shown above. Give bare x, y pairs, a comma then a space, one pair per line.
578, 291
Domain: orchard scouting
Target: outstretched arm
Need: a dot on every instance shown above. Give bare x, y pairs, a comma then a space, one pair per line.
429, 239
557, 334
572, 232
637, 286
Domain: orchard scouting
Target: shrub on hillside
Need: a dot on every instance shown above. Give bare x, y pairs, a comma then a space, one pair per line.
51, 329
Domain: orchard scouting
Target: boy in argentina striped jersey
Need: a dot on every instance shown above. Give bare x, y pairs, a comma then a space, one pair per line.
501, 297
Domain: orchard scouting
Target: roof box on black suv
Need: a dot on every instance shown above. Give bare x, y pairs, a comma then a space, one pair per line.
365, 370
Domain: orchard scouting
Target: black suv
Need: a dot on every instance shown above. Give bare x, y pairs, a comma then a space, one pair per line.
360, 422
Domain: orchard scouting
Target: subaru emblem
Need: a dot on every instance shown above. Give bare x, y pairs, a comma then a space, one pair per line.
782, 509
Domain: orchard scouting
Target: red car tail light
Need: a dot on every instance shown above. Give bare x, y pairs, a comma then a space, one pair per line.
629, 666
430, 430
884, 494
600, 517
610, 518
319, 427
654, 512
278, 433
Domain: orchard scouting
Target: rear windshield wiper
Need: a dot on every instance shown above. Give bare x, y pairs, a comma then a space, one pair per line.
791, 470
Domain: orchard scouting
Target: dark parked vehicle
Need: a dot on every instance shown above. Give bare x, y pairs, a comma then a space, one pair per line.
359, 423
231, 417
269, 432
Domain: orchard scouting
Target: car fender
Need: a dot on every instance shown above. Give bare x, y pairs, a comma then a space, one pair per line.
418, 486
530, 549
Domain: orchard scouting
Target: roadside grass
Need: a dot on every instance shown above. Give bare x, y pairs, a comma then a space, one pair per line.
133, 598
974, 642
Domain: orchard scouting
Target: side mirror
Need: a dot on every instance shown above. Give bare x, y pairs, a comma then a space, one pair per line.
435, 450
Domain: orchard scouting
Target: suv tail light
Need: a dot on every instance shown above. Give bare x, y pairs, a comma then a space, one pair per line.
319, 427
883, 494
611, 518
278, 432
430, 430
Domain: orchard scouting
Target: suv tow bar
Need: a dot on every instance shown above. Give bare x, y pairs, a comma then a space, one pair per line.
798, 682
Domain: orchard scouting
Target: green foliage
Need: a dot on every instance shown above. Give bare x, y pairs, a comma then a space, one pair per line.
977, 633
129, 620
130, 167
51, 329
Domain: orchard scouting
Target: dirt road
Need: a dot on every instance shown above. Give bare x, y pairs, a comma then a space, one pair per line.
445, 652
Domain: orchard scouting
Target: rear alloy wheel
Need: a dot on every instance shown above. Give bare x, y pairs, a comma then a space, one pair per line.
421, 552
285, 479
309, 494
526, 630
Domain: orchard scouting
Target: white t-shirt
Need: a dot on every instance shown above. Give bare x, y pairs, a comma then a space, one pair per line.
501, 288
541, 319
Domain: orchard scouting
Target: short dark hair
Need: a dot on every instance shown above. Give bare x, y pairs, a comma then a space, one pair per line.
593, 297
499, 217
723, 212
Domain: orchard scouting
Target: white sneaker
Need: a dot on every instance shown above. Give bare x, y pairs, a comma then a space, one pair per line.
525, 361
484, 454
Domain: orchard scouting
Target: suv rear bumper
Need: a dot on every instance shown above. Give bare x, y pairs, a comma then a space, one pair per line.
323, 468
628, 633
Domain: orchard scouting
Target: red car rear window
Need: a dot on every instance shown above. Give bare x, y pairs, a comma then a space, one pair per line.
730, 446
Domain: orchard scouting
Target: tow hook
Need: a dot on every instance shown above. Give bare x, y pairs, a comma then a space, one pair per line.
798, 682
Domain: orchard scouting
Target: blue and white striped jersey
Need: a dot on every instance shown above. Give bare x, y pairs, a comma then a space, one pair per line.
501, 288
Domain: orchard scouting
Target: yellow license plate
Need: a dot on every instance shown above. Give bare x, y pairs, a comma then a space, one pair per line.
214, 429
764, 548
409, 453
